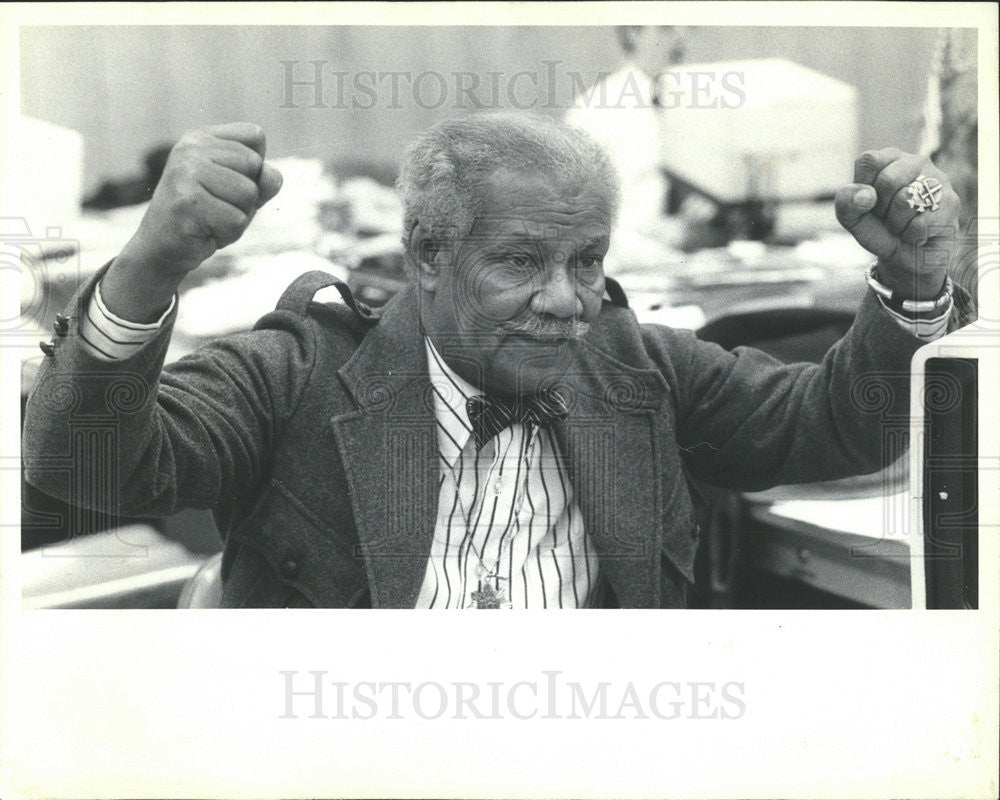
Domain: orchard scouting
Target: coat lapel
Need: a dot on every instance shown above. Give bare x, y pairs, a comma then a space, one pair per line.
389, 450
611, 444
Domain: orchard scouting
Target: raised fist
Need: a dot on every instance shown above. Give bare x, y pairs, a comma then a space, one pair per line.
214, 181
898, 207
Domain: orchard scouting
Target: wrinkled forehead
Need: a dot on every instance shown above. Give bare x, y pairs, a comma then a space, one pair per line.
577, 229
515, 205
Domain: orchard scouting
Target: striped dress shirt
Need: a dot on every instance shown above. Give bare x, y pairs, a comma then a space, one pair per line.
507, 517
109, 336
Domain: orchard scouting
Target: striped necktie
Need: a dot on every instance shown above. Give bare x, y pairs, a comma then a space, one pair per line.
490, 415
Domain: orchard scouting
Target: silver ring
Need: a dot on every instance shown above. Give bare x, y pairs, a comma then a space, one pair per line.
924, 194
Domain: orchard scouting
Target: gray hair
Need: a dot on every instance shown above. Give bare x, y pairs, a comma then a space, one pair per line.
445, 167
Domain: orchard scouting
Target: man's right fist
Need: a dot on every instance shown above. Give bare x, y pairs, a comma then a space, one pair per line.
214, 181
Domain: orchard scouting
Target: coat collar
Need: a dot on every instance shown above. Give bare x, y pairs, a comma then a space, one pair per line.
390, 452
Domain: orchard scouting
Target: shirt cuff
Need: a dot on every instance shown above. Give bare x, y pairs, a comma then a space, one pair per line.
925, 329
111, 338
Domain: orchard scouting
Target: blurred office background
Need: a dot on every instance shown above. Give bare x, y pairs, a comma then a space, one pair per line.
126, 89
728, 225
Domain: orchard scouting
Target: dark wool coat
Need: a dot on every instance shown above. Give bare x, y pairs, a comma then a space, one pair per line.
312, 439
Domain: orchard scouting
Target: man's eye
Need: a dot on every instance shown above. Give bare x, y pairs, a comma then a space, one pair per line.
516, 265
589, 265
519, 260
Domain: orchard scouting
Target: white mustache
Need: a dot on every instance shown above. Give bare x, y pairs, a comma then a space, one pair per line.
546, 330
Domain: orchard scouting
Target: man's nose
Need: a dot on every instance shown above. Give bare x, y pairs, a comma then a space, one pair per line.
557, 295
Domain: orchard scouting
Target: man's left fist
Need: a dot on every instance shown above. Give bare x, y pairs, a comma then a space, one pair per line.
884, 217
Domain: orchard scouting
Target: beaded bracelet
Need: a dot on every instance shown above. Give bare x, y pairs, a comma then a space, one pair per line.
911, 306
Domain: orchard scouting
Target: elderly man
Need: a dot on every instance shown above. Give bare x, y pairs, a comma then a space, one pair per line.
504, 434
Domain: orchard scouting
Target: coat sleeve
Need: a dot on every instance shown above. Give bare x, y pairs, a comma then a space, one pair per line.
747, 421
145, 440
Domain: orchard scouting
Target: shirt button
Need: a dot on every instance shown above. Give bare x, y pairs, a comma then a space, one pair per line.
497, 488
289, 567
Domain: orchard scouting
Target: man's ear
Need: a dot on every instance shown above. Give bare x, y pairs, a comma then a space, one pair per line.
425, 255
